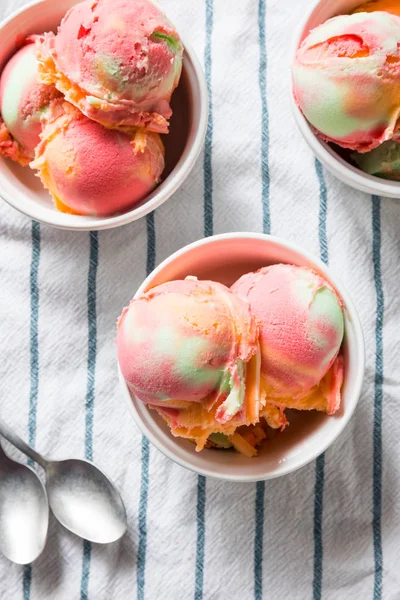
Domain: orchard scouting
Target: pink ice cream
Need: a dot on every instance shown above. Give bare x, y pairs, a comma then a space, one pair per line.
301, 331
118, 61
90, 170
187, 340
189, 349
221, 366
23, 102
346, 79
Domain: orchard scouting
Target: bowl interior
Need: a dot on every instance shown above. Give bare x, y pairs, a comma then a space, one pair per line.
309, 433
19, 185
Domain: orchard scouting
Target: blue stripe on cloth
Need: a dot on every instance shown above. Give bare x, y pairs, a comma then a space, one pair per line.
92, 342
27, 582
34, 345
208, 181
201, 534
266, 225
258, 541
90, 391
145, 458
151, 243
264, 117
323, 205
378, 396
87, 554
144, 493
34, 366
318, 513
208, 230
320, 462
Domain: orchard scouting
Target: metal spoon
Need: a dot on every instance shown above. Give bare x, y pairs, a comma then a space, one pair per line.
24, 512
81, 497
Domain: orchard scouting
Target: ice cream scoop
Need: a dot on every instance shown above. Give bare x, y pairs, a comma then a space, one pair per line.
184, 340
91, 170
383, 161
118, 61
189, 349
301, 331
346, 79
390, 6
23, 102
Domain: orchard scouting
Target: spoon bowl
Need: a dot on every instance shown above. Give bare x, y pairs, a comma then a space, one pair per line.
81, 497
85, 501
24, 512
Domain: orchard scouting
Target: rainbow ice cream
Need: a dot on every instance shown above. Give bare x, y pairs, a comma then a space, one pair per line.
189, 349
346, 79
90, 170
221, 365
301, 331
23, 102
118, 61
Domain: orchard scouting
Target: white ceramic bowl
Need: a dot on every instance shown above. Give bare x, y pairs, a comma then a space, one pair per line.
224, 258
22, 190
319, 13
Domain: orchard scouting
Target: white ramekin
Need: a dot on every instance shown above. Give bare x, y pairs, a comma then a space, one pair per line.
22, 190
319, 13
224, 258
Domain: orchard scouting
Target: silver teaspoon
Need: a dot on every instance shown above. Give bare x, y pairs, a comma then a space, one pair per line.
81, 497
24, 511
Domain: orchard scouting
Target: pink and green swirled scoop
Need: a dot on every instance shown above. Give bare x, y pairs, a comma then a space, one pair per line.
118, 61
346, 79
187, 340
301, 331
91, 170
23, 103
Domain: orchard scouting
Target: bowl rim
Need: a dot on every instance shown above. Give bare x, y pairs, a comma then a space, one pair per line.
359, 368
174, 180
339, 167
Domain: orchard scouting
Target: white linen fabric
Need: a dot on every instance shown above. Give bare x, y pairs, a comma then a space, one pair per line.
328, 531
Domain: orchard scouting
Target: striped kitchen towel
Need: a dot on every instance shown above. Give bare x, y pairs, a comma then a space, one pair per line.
329, 531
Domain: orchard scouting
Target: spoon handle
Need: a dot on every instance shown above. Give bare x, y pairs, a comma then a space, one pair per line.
16, 441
